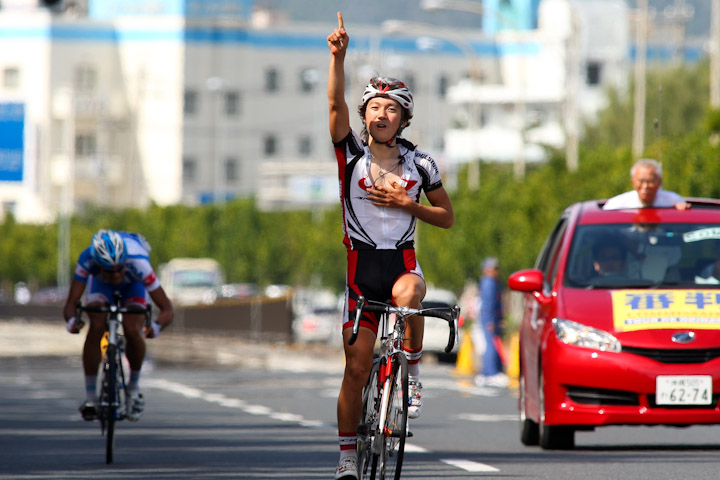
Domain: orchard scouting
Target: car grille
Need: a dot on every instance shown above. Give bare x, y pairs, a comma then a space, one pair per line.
602, 396
653, 404
676, 356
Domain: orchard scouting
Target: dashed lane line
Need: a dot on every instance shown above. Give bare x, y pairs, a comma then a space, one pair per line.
229, 402
470, 466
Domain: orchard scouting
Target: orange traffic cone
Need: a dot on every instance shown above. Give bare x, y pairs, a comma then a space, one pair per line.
465, 363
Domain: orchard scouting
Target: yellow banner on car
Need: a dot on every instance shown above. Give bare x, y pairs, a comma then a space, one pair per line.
657, 309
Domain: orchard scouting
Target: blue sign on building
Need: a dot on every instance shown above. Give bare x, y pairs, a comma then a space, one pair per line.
12, 141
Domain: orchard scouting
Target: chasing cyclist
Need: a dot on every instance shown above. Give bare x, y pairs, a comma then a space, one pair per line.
116, 261
382, 177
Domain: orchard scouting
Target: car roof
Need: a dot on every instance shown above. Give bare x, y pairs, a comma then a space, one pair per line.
702, 210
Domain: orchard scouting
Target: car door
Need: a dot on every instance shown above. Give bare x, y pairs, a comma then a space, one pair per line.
536, 317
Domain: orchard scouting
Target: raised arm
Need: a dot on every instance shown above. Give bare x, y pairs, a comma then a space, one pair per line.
339, 113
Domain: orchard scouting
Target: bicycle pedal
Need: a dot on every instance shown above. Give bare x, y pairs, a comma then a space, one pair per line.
409, 434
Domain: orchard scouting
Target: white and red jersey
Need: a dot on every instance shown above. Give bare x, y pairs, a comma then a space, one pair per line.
367, 226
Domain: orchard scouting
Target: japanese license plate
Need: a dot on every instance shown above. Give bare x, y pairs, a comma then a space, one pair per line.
683, 390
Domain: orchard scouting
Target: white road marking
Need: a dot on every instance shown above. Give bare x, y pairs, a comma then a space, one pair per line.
469, 466
482, 417
410, 448
229, 402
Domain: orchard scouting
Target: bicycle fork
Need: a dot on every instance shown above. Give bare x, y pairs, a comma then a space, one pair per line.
384, 379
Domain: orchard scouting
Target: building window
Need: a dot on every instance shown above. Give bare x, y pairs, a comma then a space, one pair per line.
409, 81
232, 103
305, 146
594, 73
231, 169
442, 86
272, 80
190, 102
189, 170
271, 145
8, 208
11, 77
85, 78
85, 144
309, 79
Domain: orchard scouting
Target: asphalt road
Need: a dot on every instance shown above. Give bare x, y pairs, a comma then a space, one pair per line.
268, 412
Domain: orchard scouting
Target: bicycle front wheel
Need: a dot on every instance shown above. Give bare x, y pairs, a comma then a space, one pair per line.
368, 423
395, 429
109, 401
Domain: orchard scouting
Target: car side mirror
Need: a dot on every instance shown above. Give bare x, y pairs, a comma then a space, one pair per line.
529, 281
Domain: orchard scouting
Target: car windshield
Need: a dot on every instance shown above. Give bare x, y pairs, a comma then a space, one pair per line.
644, 255
195, 278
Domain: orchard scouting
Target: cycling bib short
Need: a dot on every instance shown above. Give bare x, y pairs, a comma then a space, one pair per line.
372, 274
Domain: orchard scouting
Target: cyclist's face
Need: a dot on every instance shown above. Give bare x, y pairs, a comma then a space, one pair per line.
383, 118
113, 276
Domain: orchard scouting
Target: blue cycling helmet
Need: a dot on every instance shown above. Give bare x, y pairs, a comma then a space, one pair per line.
108, 249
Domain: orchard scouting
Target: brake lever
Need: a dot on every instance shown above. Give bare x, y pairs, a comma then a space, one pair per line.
453, 339
356, 324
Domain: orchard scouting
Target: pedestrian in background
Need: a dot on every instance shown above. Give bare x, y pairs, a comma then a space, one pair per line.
491, 321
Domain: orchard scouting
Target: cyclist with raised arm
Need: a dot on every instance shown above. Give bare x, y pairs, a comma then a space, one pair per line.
382, 177
116, 261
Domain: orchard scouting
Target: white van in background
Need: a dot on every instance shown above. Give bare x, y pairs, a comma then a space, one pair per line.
192, 281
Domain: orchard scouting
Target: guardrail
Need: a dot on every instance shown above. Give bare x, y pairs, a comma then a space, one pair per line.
256, 318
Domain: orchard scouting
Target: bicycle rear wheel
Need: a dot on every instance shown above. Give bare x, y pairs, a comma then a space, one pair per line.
368, 423
395, 429
109, 401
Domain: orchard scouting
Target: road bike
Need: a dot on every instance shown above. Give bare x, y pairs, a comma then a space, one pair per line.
384, 423
114, 398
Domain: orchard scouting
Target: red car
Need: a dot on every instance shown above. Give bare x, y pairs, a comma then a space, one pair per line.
621, 322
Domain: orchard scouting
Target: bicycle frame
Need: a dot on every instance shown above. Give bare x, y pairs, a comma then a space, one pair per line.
377, 437
390, 345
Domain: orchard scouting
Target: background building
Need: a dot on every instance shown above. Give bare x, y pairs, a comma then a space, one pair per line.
126, 102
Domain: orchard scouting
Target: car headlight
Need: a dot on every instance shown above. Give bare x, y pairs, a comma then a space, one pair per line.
573, 333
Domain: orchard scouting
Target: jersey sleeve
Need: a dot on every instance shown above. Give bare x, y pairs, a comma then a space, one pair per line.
83, 266
142, 271
427, 167
348, 148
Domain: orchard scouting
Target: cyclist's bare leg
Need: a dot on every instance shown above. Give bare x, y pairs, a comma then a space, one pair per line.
408, 291
358, 362
135, 342
91, 350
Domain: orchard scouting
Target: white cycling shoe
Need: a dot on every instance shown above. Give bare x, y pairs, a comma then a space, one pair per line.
415, 393
347, 469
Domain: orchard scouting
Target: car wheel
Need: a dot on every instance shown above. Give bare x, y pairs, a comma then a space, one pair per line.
552, 437
529, 431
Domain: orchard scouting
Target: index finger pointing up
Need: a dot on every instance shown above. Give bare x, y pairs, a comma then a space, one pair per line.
340, 20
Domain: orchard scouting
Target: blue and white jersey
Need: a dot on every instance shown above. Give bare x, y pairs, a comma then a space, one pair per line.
137, 265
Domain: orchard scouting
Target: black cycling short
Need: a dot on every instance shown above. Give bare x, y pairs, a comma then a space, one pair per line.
372, 274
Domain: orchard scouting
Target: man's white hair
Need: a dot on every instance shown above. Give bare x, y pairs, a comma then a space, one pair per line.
647, 162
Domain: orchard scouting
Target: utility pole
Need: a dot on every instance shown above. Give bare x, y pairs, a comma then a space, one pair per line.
572, 66
641, 27
715, 55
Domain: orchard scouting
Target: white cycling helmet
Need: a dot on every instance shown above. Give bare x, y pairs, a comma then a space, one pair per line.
391, 88
108, 249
